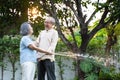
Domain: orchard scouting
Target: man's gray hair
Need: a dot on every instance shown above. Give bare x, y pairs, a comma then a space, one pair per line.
52, 20
24, 29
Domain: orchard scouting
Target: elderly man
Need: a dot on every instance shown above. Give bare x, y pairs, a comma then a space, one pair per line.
47, 40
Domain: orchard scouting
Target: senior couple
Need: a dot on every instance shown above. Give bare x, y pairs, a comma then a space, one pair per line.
40, 51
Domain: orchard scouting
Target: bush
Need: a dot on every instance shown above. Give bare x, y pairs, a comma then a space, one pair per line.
92, 69
109, 76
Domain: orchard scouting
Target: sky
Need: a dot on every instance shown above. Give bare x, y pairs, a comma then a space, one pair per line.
90, 10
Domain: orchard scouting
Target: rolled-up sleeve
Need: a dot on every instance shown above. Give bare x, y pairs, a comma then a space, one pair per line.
27, 41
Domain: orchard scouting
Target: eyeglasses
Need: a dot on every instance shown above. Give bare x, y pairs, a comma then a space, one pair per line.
47, 22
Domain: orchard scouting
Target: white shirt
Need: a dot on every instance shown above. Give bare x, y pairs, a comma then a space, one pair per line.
47, 40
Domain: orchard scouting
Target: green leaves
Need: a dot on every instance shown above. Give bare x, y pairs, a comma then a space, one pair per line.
91, 76
13, 12
89, 68
10, 45
117, 29
92, 69
86, 66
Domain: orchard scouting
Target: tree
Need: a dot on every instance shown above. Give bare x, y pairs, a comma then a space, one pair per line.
10, 48
67, 13
13, 52
15, 12
2, 55
113, 27
72, 14
12, 14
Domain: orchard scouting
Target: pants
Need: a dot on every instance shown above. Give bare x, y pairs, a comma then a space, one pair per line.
46, 66
28, 70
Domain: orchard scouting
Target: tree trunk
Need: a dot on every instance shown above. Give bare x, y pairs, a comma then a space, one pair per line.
2, 63
13, 67
83, 46
2, 73
110, 42
108, 45
61, 69
84, 43
80, 75
2, 67
112, 39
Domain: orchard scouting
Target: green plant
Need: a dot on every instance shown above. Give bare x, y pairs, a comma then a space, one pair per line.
86, 66
10, 48
60, 65
2, 54
92, 68
97, 44
61, 47
92, 76
112, 75
104, 76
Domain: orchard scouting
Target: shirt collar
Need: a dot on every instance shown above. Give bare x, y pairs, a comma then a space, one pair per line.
49, 30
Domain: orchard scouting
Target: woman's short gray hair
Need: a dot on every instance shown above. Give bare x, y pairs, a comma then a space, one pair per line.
24, 29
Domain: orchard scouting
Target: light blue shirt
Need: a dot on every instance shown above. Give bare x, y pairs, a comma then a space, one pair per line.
26, 54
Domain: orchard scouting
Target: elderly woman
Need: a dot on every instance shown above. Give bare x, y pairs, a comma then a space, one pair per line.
27, 52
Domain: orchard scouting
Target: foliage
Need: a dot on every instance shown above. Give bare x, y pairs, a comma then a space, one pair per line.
114, 10
112, 75
10, 44
15, 12
92, 68
97, 71
12, 13
61, 47
2, 51
97, 44
38, 26
61, 66
10, 48
112, 36
117, 29
86, 66
77, 37
91, 76
70, 14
